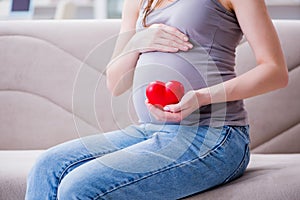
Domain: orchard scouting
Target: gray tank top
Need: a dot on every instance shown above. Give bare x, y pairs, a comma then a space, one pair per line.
215, 34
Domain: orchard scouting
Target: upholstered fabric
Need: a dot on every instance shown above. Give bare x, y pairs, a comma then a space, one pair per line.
48, 66
15, 166
268, 177
275, 116
52, 89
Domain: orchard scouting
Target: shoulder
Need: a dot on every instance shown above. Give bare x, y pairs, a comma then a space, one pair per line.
130, 14
132, 5
236, 4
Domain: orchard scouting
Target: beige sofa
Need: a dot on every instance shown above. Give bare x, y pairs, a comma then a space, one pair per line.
52, 89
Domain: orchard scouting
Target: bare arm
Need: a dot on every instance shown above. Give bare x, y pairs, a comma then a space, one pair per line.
130, 44
120, 69
269, 74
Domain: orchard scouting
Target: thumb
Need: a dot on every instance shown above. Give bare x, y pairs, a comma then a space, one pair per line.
174, 108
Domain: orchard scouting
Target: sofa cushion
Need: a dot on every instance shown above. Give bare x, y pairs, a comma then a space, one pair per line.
270, 175
15, 166
274, 117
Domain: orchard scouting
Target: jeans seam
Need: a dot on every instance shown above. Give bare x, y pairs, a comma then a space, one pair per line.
236, 171
204, 155
67, 166
244, 133
167, 168
144, 177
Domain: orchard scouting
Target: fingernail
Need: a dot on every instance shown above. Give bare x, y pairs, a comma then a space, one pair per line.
186, 38
166, 108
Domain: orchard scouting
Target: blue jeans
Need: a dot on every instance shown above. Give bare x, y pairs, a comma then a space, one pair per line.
141, 162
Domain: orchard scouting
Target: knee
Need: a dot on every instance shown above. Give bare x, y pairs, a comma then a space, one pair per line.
66, 190
71, 188
42, 177
46, 163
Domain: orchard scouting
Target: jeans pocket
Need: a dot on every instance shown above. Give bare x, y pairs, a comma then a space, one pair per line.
242, 166
243, 131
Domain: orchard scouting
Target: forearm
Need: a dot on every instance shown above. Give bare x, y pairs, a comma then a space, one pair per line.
271, 72
120, 72
157, 38
262, 79
121, 67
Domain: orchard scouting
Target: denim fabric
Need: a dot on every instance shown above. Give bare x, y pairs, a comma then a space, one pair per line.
141, 162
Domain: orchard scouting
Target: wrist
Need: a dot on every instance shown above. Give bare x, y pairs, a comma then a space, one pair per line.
203, 96
132, 46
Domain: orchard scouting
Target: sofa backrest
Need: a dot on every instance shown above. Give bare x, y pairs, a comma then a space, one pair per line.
52, 86
275, 117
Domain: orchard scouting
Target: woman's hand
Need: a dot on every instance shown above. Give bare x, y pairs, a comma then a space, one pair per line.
159, 37
191, 101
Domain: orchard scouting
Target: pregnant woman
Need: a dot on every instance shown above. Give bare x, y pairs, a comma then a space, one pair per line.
179, 149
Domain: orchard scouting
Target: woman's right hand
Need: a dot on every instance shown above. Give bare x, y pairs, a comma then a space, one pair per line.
160, 37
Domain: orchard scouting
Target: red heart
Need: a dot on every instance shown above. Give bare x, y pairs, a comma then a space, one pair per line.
161, 94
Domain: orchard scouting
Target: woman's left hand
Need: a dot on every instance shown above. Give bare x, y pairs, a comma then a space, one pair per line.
177, 112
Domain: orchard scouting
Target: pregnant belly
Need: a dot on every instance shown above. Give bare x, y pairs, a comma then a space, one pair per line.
163, 67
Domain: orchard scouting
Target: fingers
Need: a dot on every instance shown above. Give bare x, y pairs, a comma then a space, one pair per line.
173, 43
162, 115
173, 31
176, 112
174, 37
171, 37
174, 108
165, 48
